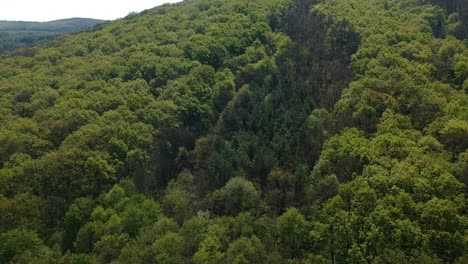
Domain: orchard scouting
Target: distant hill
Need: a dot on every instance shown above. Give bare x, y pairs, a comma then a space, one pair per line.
15, 34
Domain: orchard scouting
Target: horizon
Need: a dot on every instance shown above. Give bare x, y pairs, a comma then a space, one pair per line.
29, 21
50, 10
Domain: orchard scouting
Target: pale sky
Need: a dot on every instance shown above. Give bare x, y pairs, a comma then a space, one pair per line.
46, 10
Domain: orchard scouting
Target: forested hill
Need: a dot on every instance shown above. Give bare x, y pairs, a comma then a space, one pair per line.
15, 34
241, 131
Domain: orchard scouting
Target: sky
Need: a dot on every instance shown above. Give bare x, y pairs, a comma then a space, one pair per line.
47, 10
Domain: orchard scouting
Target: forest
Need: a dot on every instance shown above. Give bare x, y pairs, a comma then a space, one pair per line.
14, 34
241, 131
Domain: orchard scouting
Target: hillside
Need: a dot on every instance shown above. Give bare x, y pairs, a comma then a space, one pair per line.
15, 34
241, 131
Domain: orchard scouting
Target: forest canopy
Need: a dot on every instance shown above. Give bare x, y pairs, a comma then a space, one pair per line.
241, 131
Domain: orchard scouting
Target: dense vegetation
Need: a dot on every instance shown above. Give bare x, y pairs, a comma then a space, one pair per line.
15, 34
236, 131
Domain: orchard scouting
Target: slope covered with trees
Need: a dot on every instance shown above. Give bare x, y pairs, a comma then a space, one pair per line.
209, 131
15, 34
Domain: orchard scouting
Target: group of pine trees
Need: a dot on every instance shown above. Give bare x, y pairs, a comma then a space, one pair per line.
241, 131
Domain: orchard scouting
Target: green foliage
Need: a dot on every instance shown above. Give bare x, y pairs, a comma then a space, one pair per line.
244, 250
454, 135
179, 199
21, 211
237, 196
76, 216
210, 251
20, 241
285, 131
168, 248
293, 233
280, 189
342, 155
